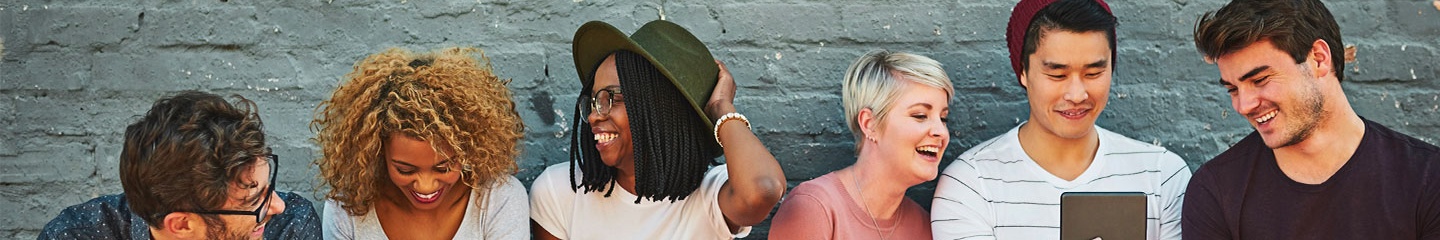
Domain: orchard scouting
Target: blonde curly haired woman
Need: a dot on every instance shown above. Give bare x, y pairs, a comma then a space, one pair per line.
421, 146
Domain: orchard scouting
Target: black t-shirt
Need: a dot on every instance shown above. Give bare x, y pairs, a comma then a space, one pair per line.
1389, 189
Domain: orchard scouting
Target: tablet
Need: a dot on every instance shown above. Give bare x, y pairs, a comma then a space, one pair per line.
1103, 215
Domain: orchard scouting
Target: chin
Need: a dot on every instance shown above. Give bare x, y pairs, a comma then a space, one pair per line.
609, 161
1074, 130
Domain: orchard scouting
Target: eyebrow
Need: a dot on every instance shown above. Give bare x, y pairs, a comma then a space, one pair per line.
255, 198
1247, 75
441, 163
1097, 64
611, 87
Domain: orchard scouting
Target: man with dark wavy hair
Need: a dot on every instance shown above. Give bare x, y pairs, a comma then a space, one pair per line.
194, 167
1313, 168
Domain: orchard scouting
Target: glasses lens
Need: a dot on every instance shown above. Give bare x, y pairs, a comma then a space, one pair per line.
604, 100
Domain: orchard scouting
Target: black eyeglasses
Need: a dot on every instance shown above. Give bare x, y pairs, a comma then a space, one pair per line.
259, 213
604, 99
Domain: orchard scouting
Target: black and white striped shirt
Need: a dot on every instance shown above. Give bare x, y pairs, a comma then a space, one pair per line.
996, 191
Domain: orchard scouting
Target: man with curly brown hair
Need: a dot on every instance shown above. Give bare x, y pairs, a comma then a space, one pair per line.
194, 167
421, 146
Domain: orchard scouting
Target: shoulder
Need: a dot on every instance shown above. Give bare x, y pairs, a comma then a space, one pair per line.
715, 178
554, 178
505, 194
1230, 169
299, 221
823, 187
994, 147
508, 186
1400, 152
335, 213
809, 199
1237, 159
998, 154
296, 206
102, 217
295, 202
1122, 146
1159, 157
1400, 143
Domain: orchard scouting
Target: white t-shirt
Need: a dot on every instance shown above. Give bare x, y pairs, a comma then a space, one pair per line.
571, 214
995, 191
502, 218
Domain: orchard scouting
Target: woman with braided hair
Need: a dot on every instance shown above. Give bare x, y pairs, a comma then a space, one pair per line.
642, 162
421, 146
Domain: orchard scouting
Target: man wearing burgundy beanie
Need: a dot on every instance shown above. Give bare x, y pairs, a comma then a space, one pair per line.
1009, 187
1313, 168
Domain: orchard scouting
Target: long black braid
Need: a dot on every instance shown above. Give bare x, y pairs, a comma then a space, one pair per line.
673, 146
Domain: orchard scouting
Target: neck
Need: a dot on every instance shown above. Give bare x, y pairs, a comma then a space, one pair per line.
625, 176
156, 234
1065, 158
453, 204
881, 198
1330, 145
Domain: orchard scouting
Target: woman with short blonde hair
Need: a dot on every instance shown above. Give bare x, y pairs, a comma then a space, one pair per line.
896, 105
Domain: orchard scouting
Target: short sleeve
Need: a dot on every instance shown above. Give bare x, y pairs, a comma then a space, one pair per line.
1203, 217
959, 210
800, 217
715, 179
1429, 210
1175, 177
507, 211
335, 223
550, 200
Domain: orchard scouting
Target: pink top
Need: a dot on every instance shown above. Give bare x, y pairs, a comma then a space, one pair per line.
822, 209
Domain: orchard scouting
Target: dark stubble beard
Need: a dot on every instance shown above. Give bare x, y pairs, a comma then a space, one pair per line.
1312, 104
218, 230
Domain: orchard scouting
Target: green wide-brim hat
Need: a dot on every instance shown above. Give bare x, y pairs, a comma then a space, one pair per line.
681, 57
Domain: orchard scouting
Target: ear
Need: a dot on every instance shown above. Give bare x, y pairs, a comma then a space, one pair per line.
1024, 81
868, 124
183, 225
1322, 57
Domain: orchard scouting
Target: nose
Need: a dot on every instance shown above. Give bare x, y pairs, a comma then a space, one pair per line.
939, 129
595, 116
1075, 90
427, 183
277, 204
1245, 101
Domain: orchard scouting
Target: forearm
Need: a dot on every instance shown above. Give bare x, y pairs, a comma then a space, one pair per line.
755, 176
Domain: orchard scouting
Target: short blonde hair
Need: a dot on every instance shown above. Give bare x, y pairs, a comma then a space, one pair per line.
872, 83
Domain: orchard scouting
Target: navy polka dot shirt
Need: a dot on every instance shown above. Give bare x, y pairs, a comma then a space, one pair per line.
109, 217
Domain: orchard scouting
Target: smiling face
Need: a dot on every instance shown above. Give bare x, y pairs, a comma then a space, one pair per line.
422, 175
1281, 99
914, 135
1068, 82
612, 130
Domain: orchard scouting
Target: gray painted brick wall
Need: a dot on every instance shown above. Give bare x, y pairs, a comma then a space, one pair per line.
74, 73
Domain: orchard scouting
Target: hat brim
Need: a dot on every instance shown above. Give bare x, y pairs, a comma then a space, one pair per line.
597, 40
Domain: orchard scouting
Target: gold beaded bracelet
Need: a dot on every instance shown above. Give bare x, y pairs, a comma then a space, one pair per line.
728, 117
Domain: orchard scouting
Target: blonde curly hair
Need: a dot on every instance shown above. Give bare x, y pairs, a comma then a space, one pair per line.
448, 95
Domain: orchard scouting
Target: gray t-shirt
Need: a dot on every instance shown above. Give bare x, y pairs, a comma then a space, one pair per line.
506, 215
